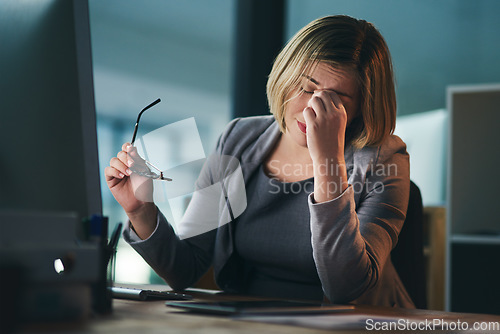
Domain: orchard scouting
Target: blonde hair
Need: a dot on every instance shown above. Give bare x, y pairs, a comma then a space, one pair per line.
345, 43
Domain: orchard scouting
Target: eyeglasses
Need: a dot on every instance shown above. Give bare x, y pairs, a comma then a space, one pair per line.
143, 168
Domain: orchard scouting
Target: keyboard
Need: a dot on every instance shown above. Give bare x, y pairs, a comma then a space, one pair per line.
144, 294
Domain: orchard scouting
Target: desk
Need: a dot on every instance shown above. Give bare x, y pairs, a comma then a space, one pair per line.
137, 317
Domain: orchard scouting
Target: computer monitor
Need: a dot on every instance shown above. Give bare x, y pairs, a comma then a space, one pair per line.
49, 159
473, 160
49, 173
472, 223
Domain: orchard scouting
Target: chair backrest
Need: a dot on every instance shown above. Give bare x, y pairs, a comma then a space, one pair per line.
408, 255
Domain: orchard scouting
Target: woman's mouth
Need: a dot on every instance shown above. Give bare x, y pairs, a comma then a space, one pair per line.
302, 126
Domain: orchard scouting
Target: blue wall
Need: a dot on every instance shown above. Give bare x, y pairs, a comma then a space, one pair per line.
434, 43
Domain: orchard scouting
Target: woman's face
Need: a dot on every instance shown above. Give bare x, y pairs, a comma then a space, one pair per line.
324, 77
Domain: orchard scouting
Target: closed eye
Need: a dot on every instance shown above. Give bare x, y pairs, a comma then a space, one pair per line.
306, 91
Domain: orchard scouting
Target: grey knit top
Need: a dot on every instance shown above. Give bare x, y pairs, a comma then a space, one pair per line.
273, 238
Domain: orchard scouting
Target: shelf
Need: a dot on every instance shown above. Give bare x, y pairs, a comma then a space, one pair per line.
475, 239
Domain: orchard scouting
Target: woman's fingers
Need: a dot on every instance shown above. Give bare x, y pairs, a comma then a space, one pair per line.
332, 97
125, 158
131, 153
113, 173
326, 101
336, 99
317, 105
328, 107
125, 146
129, 157
325, 117
125, 162
121, 167
309, 115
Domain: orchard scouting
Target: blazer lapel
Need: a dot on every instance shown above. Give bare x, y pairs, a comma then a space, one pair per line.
250, 159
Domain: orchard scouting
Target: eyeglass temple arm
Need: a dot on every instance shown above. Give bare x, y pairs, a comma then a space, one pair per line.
139, 117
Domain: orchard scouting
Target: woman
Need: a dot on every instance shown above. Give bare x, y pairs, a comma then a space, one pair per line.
327, 183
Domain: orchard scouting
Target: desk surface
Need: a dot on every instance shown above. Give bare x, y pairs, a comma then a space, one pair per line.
140, 317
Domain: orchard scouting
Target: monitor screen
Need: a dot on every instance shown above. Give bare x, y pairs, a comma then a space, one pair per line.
473, 160
49, 159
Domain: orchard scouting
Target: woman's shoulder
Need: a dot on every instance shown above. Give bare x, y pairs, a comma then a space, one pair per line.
392, 147
254, 124
245, 130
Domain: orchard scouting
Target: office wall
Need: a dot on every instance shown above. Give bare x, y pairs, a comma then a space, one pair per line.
434, 43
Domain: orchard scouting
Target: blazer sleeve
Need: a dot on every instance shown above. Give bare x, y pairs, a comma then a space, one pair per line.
351, 243
179, 262
181, 259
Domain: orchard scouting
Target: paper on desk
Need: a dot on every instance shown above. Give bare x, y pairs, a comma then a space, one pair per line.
330, 321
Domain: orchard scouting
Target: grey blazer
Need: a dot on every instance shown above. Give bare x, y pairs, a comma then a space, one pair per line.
352, 235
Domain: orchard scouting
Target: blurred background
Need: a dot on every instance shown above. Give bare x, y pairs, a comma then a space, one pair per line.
179, 51
208, 60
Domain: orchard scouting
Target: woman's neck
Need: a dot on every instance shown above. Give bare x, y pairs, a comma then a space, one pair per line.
290, 151
289, 162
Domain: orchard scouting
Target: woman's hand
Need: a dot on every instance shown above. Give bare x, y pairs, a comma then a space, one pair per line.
133, 192
326, 121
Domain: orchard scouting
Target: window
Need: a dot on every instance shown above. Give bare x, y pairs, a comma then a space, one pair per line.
179, 51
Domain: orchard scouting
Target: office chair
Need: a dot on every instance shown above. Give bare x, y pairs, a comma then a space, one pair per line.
408, 255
